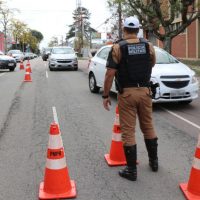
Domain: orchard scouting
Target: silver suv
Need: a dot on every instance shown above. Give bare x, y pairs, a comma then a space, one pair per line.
63, 58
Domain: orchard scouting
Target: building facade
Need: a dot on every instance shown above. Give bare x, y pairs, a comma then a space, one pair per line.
2, 42
185, 45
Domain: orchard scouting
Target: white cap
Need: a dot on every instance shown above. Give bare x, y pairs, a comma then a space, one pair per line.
132, 22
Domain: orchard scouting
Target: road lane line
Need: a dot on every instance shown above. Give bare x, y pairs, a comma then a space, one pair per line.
55, 116
185, 120
2, 74
47, 75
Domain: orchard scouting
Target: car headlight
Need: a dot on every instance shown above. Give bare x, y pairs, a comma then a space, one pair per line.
194, 79
53, 59
153, 80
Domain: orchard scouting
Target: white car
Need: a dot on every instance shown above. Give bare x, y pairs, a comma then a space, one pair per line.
63, 58
177, 82
7, 62
16, 54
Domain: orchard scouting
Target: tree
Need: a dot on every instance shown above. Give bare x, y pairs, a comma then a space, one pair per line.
26, 38
71, 32
37, 34
53, 42
81, 25
116, 7
28, 42
5, 19
154, 14
18, 30
158, 16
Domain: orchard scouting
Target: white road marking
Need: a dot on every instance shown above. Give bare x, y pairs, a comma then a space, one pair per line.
47, 75
55, 116
185, 120
2, 74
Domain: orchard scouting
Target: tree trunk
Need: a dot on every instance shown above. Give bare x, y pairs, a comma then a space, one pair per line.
120, 20
167, 42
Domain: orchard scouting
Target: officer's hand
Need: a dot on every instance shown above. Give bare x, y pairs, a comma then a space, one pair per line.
107, 103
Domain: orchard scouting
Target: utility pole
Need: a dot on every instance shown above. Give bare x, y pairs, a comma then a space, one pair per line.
80, 24
120, 19
78, 5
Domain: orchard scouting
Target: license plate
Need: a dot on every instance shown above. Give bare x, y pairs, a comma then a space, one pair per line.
10, 64
177, 93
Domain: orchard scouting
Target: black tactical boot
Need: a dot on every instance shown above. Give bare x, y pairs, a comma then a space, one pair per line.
130, 171
151, 145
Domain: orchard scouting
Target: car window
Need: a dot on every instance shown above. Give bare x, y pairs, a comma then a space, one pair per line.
62, 51
103, 54
162, 57
47, 50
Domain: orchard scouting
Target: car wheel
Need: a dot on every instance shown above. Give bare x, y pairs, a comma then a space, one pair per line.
76, 68
93, 84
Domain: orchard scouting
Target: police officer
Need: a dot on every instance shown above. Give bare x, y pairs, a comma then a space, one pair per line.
130, 61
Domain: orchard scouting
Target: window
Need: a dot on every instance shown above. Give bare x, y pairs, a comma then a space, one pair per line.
103, 54
162, 57
62, 51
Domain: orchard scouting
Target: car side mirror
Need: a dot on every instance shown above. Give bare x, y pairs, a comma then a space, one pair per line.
93, 53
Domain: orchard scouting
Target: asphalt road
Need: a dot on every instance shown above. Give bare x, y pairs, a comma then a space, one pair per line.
25, 118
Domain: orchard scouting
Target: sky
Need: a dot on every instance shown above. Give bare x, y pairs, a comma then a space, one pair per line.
52, 17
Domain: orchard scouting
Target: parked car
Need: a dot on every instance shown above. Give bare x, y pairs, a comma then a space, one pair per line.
7, 62
63, 58
177, 82
17, 54
45, 53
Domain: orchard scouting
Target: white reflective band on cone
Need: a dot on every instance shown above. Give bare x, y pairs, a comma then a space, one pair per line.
198, 144
56, 164
117, 120
117, 137
196, 163
55, 142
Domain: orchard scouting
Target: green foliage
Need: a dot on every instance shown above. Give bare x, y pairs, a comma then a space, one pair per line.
154, 14
28, 39
37, 34
71, 32
53, 42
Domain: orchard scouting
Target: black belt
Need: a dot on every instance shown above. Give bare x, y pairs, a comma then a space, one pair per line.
137, 85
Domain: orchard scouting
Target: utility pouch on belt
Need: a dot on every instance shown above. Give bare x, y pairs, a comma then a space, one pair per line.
153, 87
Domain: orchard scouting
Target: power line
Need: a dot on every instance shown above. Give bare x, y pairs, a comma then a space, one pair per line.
105, 22
46, 10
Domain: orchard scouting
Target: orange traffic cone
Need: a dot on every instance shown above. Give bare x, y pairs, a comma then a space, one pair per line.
27, 77
57, 183
28, 67
191, 189
28, 63
21, 66
116, 156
